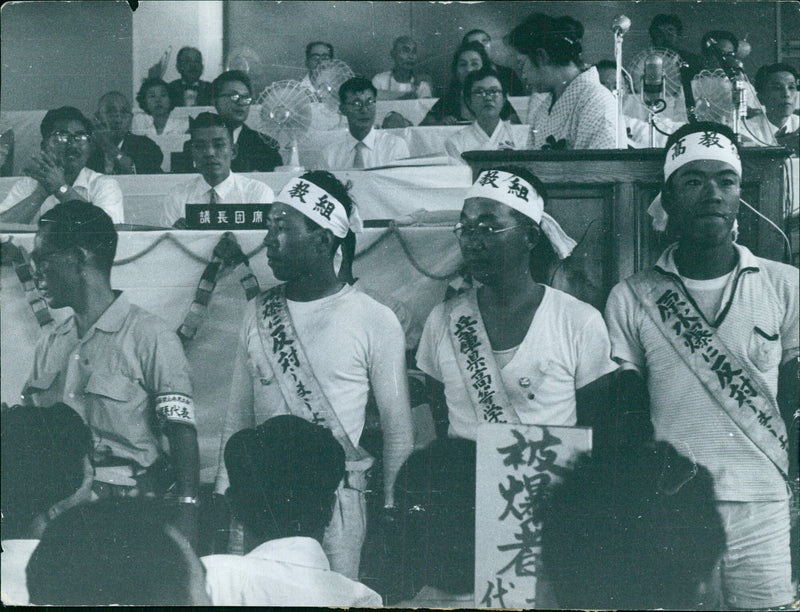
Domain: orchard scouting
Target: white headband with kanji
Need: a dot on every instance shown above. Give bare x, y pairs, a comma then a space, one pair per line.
707, 145
316, 204
519, 194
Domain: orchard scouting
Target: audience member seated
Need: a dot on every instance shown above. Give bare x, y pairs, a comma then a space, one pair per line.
283, 478
189, 90
212, 152
776, 85
436, 493
7, 153
485, 96
316, 53
511, 82
45, 471
119, 151
401, 82
727, 43
451, 108
116, 552
59, 172
364, 146
158, 124
665, 32
581, 113
637, 533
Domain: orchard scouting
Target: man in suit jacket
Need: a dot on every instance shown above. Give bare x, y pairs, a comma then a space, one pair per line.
189, 90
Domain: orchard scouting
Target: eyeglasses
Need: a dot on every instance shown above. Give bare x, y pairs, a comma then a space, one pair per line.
359, 104
237, 98
319, 56
482, 230
63, 138
487, 93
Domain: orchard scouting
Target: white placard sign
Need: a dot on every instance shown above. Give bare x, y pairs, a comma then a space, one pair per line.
515, 464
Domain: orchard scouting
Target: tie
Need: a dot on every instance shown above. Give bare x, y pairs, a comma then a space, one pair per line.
358, 159
212, 197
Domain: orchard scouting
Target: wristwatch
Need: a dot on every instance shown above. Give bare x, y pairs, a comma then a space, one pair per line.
63, 190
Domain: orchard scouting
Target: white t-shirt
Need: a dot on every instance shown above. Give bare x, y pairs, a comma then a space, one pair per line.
566, 348
13, 561
352, 343
101, 190
380, 148
473, 138
385, 81
236, 189
283, 572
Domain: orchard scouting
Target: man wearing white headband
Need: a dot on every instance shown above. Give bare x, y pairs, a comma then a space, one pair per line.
512, 350
315, 347
712, 331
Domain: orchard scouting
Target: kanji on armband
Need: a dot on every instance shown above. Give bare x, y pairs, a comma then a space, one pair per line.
724, 372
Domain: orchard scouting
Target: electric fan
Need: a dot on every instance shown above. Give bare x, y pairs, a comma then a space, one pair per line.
286, 114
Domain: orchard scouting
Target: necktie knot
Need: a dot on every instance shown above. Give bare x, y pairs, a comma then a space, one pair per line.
212, 196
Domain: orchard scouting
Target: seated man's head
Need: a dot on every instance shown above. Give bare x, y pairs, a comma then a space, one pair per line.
607, 71
665, 31
316, 53
480, 36
404, 53
638, 533
153, 98
73, 250
307, 223
727, 43
776, 85
117, 551
435, 490
283, 477
114, 114
45, 461
232, 95
67, 138
189, 64
357, 99
212, 147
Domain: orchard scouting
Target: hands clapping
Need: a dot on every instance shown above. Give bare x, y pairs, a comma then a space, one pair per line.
44, 169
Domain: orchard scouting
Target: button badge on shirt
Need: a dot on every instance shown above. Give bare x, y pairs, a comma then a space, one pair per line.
525, 383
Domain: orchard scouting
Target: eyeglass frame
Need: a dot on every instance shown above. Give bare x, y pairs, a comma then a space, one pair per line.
486, 93
360, 104
64, 138
237, 98
474, 230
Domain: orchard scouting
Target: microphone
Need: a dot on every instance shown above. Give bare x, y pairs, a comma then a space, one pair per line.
729, 68
621, 25
653, 81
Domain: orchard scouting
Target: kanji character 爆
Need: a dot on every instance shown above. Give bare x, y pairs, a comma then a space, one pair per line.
509, 494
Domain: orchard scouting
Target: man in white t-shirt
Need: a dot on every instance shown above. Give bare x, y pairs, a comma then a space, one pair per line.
315, 347
212, 152
363, 146
513, 350
316, 52
712, 331
402, 82
59, 172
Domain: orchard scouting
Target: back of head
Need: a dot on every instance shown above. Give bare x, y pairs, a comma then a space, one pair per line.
43, 449
117, 551
641, 532
663, 19
283, 476
435, 489
231, 76
471, 33
83, 225
63, 113
355, 86
560, 37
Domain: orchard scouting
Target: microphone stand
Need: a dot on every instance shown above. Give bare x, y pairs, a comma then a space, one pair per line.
618, 34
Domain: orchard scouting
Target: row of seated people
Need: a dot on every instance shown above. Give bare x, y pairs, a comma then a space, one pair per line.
509, 349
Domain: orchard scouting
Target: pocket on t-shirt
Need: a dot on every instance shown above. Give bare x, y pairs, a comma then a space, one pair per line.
764, 349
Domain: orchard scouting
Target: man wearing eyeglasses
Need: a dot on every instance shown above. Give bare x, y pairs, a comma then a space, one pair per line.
316, 53
232, 96
59, 172
363, 146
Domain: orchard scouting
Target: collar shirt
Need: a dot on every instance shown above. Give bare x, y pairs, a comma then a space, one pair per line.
379, 148
176, 131
236, 132
473, 138
283, 572
101, 190
584, 117
13, 561
385, 81
306, 84
236, 189
758, 323
111, 377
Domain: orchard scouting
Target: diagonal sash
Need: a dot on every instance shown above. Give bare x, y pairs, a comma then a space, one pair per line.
299, 387
476, 361
727, 379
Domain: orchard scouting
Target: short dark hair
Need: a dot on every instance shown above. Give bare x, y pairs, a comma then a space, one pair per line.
313, 44
701, 126
283, 476
435, 490
472, 33
148, 84
116, 551
354, 86
606, 64
207, 120
484, 72
83, 225
718, 35
230, 76
560, 37
470, 46
43, 448
666, 19
185, 49
765, 71
631, 532
63, 113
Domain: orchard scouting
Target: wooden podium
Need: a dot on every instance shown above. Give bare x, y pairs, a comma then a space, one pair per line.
600, 197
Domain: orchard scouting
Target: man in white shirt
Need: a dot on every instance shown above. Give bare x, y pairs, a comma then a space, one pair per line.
212, 152
316, 53
59, 172
401, 82
776, 85
283, 480
363, 146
